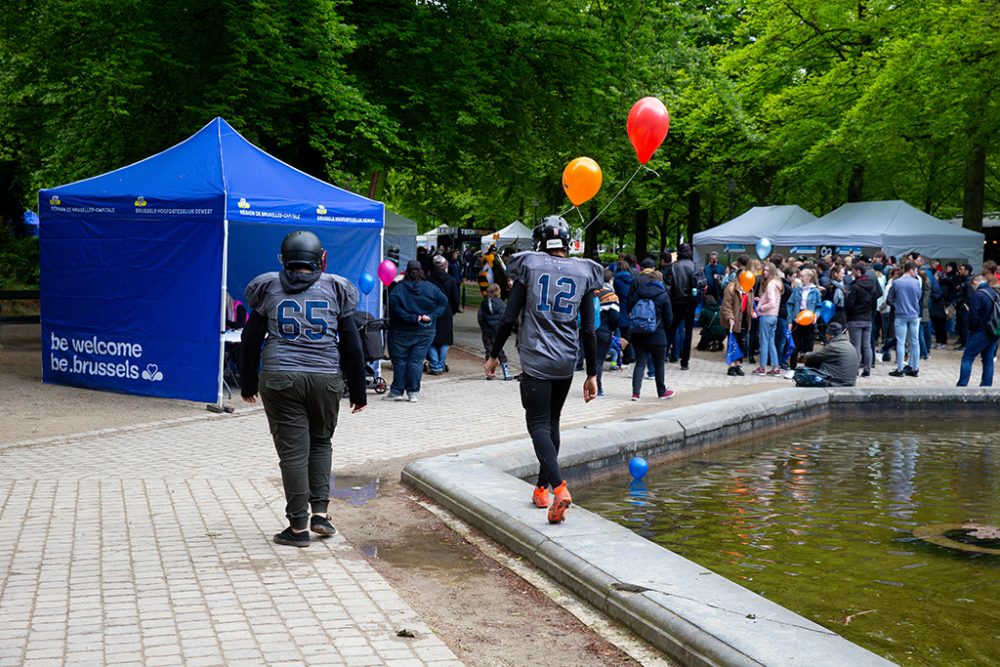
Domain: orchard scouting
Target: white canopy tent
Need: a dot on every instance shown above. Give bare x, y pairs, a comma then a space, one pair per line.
893, 226
401, 233
515, 234
742, 232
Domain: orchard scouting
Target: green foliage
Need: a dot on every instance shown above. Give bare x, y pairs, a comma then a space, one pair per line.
19, 262
468, 112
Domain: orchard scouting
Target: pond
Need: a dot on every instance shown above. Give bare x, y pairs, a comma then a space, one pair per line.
822, 520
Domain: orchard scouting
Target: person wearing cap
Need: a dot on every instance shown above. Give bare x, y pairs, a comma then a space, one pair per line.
414, 307
833, 365
444, 334
311, 347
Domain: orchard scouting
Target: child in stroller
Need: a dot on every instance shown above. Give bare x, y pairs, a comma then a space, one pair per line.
373, 347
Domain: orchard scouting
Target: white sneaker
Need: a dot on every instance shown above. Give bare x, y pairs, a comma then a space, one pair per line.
789, 375
393, 397
412, 398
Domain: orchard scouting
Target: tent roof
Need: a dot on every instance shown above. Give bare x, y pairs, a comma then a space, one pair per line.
397, 224
215, 171
893, 226
515, 230
759, 221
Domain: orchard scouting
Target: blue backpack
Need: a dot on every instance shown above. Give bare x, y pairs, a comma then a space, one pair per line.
643, 316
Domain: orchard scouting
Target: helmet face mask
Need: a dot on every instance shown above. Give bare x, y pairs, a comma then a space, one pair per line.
302, 248
552, 233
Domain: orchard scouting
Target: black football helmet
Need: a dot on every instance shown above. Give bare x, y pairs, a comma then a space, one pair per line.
552, 233
303, 248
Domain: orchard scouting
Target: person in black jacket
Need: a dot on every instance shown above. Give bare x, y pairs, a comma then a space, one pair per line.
444, 334
491, 312
650, 343
982, 341
683, 300
858, 308
609, 315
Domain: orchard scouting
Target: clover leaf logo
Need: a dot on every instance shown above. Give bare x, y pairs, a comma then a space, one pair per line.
321, 210
243, 203
54, 200
140, 202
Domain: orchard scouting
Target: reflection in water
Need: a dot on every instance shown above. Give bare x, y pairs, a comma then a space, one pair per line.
821, 520
355, 490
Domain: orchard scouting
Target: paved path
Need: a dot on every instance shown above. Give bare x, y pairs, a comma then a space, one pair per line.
151, 545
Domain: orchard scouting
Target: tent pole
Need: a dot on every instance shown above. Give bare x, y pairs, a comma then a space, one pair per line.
222, 314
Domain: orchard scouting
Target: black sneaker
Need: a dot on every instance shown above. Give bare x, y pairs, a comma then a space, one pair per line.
896, 373
911, 371
739, 371
321, 525
684, 367
865, 374
290, 538
886, 356
732, 372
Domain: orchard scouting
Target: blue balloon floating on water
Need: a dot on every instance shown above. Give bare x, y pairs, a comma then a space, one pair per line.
763, 249
366, 283
638, 467
827, 311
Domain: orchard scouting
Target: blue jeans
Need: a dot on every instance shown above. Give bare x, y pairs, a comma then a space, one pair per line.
925, 340
980, 343
438, 357
779, 335
767, 324
408, 349
907, 333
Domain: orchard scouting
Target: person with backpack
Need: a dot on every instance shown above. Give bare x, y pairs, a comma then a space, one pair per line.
687, 284
984, 330
650, 312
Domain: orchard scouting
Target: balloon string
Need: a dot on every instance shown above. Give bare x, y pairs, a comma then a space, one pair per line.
634, 174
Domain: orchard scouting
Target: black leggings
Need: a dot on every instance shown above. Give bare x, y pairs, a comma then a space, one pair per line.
543, 402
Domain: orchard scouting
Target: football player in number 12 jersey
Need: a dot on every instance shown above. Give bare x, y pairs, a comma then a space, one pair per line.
553, 296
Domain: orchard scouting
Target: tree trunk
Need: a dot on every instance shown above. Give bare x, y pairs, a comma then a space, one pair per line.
641, 233
975, 188
694, 214
664, 228
856, 186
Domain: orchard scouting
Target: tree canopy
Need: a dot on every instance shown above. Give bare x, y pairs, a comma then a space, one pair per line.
466, 111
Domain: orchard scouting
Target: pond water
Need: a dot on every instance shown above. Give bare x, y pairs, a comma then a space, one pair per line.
821, 520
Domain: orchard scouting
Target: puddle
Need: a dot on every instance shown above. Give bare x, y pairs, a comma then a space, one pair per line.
354, 490
417, 548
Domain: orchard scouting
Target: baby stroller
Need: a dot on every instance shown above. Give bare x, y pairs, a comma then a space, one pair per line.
372, 346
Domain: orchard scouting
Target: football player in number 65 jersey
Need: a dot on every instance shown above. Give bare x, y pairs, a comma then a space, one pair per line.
551, 294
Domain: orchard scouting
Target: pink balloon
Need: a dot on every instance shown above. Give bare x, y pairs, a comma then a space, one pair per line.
386, 272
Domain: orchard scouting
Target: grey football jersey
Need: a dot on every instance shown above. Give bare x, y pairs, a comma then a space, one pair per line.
302, 328
555, 287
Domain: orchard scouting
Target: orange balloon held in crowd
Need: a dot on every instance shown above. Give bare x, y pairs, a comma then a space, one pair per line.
806, 317
747, 280
647, 126
581, 180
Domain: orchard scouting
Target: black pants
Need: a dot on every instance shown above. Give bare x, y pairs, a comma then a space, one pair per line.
603, 345
302, 410
488, 337
804, 339
683, 312
628, 356
643, 352
543, 402
940, 324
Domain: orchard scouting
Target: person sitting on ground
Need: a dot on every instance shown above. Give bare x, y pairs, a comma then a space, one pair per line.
710, 321
833, 365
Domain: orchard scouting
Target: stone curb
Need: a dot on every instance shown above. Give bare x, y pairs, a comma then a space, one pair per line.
695, 616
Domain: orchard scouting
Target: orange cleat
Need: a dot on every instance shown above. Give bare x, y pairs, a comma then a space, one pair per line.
560, 503
540, 497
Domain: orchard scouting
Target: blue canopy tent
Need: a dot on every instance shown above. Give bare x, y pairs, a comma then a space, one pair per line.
136, 263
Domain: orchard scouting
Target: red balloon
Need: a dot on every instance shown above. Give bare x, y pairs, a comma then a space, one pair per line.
647, 126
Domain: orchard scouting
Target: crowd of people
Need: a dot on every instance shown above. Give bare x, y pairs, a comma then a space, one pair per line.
301, 349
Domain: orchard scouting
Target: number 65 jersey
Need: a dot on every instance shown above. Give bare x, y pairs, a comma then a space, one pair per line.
302, 326
555, 286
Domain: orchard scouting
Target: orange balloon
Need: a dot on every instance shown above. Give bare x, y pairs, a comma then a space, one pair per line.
805, 317
581, 180
747, 280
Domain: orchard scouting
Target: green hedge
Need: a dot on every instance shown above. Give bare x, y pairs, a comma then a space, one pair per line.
20, 267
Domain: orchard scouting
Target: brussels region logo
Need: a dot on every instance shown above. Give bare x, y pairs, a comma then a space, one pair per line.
140, 202
152, 373
321, 210
243, 203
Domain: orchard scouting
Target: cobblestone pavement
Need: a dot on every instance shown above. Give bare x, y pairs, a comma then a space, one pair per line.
151, 545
